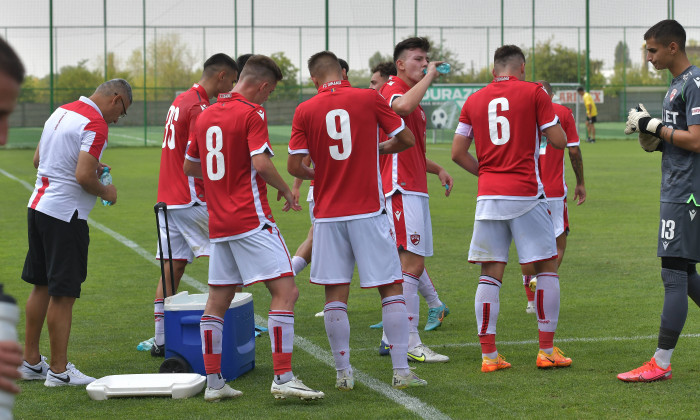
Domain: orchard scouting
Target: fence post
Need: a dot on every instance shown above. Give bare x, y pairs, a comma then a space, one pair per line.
50, 56
104, 35
145, 91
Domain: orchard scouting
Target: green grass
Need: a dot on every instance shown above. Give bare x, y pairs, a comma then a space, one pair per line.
611, 302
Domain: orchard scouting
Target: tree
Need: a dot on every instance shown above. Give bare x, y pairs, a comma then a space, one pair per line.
377, 58
288, 87
622, 54
438, 52
559, 64
74, 81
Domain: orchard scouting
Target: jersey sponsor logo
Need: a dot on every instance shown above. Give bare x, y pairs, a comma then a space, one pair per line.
415, 239
695, 111
224, 95
261, 113
203, 106
665, 244
673, 95
692, 214
697, 81
333, 83
502, 78
397, 213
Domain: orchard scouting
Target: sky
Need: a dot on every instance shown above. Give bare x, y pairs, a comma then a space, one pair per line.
358, 28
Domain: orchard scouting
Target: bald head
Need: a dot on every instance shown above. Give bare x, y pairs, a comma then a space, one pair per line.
324, 67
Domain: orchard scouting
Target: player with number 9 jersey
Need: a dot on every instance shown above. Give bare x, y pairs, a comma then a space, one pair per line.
508, 166
343, 147
225, 137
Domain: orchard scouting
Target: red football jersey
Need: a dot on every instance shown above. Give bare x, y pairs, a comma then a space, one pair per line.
339, 128
552, 160
507, 116
405, 171
226, 135
175, 188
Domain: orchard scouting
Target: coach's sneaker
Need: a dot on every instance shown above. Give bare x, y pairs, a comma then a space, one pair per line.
384, 348
216, 395
295, 388
556, 359
490, 365
345, 380
411, 380
377, 326
33, 372
71, 377
530, 308
435, 317
158, 351
421, 353
648, 372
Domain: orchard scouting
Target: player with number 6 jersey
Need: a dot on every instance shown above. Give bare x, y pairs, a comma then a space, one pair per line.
339, 129
504, 119
184, 195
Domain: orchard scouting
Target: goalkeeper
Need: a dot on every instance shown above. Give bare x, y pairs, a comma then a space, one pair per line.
678, 138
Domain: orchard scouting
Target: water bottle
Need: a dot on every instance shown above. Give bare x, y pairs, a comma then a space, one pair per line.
443, 68
9, 315
106, 179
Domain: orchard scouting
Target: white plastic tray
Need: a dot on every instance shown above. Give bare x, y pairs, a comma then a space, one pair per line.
177, 385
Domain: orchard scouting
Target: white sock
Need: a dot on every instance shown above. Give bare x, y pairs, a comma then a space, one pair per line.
396, 328
487, 305
158, 315
547, 301
410, 294
298, 264
335, 316
663, 358
427, 289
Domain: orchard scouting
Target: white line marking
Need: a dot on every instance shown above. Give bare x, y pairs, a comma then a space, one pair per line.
413, 404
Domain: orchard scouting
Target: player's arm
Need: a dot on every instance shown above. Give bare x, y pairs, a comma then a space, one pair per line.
409, 101
266, 169
191, 168
297, 166
445, 178
688, 140
86, 174
36, 156
577, 165
555, 136
400, 142
461, 155
296, 185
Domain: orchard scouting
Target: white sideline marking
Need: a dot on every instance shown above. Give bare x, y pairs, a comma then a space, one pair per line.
557, 340
413, 404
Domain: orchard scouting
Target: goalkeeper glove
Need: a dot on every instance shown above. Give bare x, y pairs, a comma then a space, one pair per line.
639, 119
650, 143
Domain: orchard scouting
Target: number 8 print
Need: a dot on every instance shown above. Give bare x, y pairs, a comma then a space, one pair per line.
215, 142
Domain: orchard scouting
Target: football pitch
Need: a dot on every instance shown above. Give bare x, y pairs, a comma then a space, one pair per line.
611, 295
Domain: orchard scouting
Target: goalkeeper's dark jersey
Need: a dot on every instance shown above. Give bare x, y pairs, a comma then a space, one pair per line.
680, 168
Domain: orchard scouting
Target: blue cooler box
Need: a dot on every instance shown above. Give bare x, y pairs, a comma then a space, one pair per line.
182, 339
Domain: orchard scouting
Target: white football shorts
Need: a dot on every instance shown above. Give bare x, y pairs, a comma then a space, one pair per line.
310, 200
189, 233
410, 217
533, 233
261, 256
368, 241
560, 215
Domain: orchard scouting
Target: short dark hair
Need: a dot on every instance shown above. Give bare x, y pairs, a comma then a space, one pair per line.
323, 62
385, 69
506, 53
217, 63
580, 89
344, 65
410, 44
241, 60
10, 62
261, 67
547, 87
666, 32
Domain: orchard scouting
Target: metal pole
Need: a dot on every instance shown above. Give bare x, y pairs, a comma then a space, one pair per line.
488, 48
235, 28
301, 64
347, 44
588, 46
533, 41
415, 17
204, 44
502, 40
51, 55
578, 56
145, 92
252, 26
624, 72
393, 22
104, 35
155, 62
327, 20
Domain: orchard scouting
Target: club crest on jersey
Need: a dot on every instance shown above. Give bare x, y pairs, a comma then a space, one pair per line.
422, 114
397, 213
692, 214
415, 239
673, 95
261, 113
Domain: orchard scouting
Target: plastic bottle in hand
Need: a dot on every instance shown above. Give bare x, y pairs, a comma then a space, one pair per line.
106, 179
9, 315
443, 68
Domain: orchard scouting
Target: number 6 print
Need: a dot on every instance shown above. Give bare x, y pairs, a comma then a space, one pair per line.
495, 120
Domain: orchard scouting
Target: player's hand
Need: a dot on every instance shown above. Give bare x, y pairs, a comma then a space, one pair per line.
295, 193
447, 181
10, 360
639, 120
110, 193
649, 142
100, 168
432, 69
580, 194
290, 201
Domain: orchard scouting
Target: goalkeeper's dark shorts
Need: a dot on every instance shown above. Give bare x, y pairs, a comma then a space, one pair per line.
679, 231
592, 120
